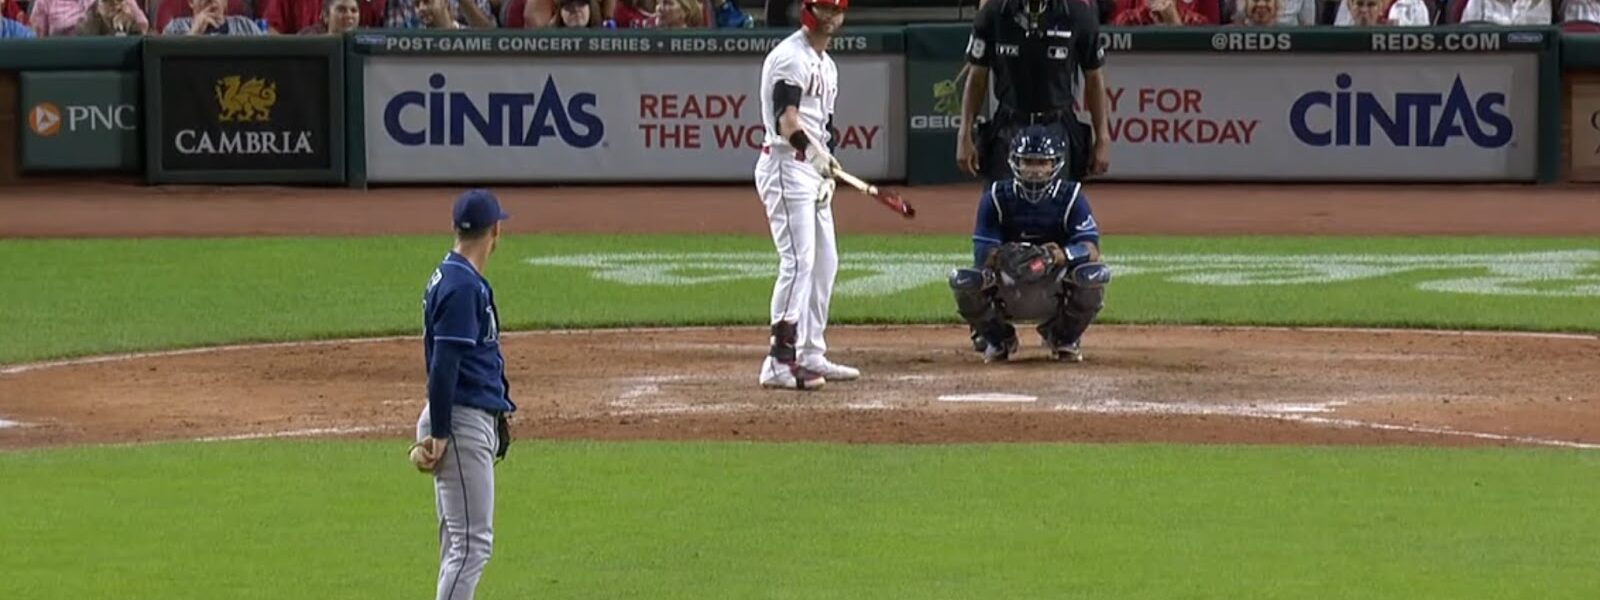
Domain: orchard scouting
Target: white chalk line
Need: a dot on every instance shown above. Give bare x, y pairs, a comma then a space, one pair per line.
294, 433
1290, 414
4, 424
72, 362
988, 397
1297, 413
1300, 412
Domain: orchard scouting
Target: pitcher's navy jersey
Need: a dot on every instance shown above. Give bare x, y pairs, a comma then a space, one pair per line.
459, 308
1063, 216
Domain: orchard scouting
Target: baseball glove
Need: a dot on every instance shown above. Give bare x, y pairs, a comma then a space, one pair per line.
1022, 262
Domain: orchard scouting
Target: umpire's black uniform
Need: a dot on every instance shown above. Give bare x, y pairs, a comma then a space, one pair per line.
1034, 50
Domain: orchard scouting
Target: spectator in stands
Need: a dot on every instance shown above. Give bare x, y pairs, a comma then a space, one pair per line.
439, 14
10, 28
1380, 13
211, 18
1284, 12
545, 13
1270, 13
638, 14
338, 16
294, 16
51, 18
288, 16
726, 13
1507, 12
1157, 12
680, 14
1581, 10
114, 17
1365, 13
576, 14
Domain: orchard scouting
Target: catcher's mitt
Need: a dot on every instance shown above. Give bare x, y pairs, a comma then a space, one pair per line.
1022, 262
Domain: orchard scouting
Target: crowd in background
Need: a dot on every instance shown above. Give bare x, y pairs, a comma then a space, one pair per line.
1584, 15
50, 18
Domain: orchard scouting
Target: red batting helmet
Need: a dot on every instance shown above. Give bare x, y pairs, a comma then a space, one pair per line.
809, 20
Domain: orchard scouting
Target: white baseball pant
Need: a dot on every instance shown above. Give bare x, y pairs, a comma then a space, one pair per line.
802, 231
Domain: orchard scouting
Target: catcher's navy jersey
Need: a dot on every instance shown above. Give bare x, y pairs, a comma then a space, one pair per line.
459, 308
1063, 216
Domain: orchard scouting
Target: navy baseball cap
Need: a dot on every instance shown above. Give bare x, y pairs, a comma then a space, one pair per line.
477, 209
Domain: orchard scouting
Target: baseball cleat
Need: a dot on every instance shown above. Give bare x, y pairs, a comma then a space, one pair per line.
833, 371
789, 376
1000, 353
1068, 353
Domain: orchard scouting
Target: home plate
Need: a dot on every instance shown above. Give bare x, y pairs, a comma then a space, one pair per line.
987, 398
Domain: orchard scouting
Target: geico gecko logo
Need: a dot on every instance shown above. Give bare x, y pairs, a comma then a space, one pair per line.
514, 118
1352, 117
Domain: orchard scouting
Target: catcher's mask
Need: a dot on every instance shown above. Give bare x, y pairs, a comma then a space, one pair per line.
1037, 157
809, 19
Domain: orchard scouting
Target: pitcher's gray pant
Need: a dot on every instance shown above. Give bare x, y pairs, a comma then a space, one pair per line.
463, 489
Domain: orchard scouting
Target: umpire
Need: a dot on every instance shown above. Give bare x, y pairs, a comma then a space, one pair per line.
1036, 49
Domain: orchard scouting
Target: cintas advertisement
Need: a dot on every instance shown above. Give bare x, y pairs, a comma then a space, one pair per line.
1340, 117
1324, 117
444, 119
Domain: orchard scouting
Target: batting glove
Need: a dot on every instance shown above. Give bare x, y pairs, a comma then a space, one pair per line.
825, 192
822, 161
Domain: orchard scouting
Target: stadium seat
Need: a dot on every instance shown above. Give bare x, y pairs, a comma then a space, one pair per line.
511, 14
10, 9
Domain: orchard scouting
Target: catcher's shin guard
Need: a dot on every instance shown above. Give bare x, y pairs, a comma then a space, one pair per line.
974, 304
1085, 297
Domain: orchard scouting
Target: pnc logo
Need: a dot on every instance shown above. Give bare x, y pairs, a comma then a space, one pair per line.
44, 119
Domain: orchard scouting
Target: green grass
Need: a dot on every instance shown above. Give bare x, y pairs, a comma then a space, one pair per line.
654, 520
666, 520
73, 297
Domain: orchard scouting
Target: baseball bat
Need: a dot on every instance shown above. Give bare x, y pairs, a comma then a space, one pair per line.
888, 198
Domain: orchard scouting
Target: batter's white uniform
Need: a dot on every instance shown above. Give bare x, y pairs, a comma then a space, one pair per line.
802, 227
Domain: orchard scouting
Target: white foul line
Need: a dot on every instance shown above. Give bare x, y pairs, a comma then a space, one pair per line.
1297, 413
297, 433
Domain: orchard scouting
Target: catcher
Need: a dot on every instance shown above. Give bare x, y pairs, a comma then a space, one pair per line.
1036, 251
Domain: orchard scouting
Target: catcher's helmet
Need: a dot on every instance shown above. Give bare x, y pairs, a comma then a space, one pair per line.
1037, 157
809, 19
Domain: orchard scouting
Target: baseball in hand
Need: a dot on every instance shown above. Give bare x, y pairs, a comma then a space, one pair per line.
425, 454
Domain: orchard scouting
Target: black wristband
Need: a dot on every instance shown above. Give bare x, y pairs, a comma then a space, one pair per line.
799, 140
